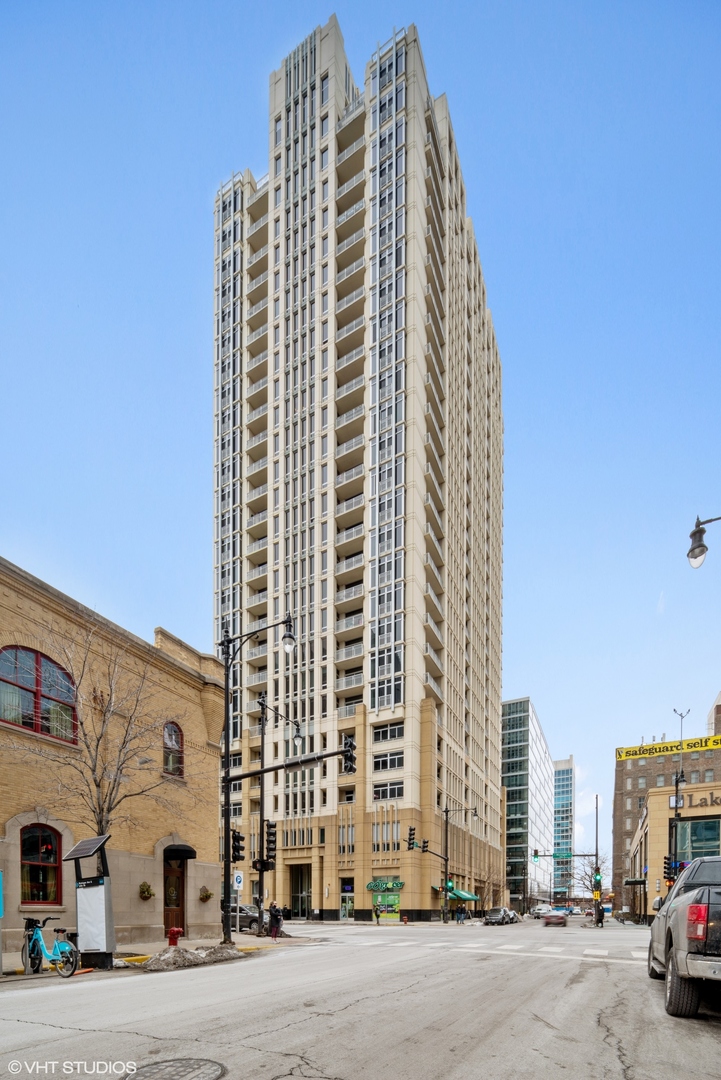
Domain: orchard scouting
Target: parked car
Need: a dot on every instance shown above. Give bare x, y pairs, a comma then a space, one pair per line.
513, 916
576, 911
685, 945
540, 910
248, 918
554, 918
497, 916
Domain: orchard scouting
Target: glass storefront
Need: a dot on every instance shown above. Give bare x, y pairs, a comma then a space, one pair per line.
388, 901
698, 837
347, 900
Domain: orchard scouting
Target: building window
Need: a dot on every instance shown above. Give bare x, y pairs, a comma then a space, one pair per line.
40, 858
324, 126
642, 781
324, 158
392, 760
36, 693
695, 776
388, 731
708, 776
392, 790
324, 90
659, 780
173, 764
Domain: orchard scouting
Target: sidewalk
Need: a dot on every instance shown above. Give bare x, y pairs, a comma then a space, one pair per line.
139, 951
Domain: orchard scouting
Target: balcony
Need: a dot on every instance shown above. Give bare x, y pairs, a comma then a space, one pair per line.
351, 421
349, 567
350, 511
349, 249
260, 466
260, 678
257, 258
261, 189
257, 626
349, 682
433, 571
349, 185
257, 336
434, 546
257, 600
351, 111
350, 213
257, 523
434, 629
258, 574
349, 626
350, 481
257, 545
350, 452
255, 389
255, 310
349, 596
354, 358
433, 659
351, 298
354, 268
348, 538
349, 151
255, 283
257, 653
255, 494
261, 439
349, 653
256, 362
434, 687
350, 394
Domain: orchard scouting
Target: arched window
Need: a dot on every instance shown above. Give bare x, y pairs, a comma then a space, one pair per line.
36, 693
40, 859
172, 750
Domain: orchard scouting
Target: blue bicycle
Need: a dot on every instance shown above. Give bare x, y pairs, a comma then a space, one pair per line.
64, 956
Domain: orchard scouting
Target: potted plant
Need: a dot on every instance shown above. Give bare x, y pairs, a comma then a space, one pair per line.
145, 891
205, 895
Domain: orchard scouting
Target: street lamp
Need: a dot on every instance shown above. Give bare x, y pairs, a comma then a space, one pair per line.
697, 552
679, 782
447, 811
230, 648
265, 708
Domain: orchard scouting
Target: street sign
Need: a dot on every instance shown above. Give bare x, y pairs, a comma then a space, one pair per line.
634, 881
597, 896
238, 880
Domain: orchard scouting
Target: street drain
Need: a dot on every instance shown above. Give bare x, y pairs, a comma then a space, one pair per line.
182, 1069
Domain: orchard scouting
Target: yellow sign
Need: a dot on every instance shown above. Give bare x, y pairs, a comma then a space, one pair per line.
597, 896
660, 749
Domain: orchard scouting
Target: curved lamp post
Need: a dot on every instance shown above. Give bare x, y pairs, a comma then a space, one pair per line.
697, 552
230, 648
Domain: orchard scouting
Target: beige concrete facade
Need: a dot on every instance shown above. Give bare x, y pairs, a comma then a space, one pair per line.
359, 483
652, 840
171, 682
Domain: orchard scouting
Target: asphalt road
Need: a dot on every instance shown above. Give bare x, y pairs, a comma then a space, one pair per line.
408, 1002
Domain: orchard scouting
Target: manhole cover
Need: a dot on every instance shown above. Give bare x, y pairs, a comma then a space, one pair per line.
182, 1069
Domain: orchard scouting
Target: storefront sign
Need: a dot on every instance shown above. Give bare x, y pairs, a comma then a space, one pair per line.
659, 749
385, 886
710, 800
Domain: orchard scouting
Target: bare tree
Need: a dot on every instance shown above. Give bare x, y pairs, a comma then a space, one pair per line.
116, 761
585, 868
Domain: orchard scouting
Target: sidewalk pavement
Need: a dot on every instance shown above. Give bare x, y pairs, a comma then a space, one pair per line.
139, 951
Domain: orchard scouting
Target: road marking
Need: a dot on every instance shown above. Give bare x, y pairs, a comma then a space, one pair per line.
639, 955
400, 944
595, 952
478, 945
551, 948
434, 945
509, 947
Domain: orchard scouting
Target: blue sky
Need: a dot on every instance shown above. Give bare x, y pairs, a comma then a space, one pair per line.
589, 140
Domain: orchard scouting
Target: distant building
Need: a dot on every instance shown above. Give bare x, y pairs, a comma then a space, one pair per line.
564, 804
654, 765
528, 777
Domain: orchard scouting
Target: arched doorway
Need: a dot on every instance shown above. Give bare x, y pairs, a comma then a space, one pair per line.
175, 859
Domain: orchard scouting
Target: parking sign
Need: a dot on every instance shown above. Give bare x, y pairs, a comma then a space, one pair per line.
238, 880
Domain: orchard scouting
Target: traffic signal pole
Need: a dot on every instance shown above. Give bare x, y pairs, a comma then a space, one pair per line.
261, 823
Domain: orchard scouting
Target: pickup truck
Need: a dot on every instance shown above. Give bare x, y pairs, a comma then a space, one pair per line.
685, 946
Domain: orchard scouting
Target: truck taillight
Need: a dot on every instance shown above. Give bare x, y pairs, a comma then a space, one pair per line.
696, 922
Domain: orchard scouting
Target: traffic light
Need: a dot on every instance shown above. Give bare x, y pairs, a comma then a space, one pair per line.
411, 837
271, 844
256, 864
535, 854
237, 844
348, 754
424, 846
597, 878
449, 884
669, 870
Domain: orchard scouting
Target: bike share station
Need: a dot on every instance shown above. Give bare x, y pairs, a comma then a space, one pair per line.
94, 906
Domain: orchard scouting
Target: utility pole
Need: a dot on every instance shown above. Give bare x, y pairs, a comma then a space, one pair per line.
597, 903
261, 822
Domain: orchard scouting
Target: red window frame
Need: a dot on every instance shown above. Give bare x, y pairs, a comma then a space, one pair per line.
180, 751
40, 694
39, 862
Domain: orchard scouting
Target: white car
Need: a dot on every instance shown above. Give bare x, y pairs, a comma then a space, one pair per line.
540, 910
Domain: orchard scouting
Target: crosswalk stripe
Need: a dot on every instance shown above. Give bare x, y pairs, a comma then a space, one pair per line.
638, 955
595, 952
551, 948
508, 947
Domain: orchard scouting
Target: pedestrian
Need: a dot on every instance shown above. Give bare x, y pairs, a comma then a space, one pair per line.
377, 913
275, 919
601, 914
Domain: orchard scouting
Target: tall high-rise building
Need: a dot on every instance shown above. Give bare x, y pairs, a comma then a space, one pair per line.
359, 486
564, 805
528, 778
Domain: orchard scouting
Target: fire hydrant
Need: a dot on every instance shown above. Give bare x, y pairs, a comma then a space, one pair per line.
174, 933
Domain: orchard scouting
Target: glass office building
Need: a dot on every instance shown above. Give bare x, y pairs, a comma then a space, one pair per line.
528, 777
563, 817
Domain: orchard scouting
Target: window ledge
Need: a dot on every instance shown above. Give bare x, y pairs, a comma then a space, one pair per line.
38, 908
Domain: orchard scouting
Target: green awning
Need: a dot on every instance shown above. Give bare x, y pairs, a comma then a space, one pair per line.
456, 894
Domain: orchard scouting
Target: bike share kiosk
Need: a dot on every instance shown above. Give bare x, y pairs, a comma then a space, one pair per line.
94, 906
